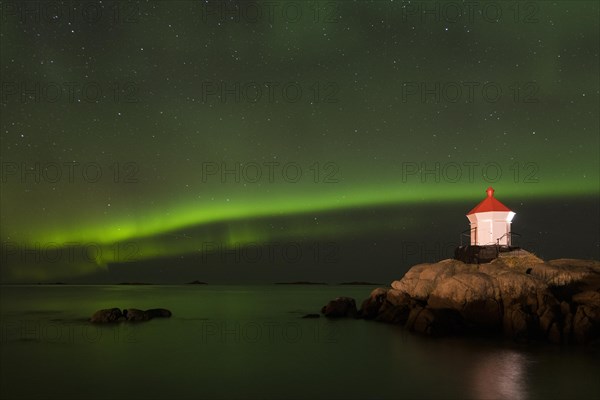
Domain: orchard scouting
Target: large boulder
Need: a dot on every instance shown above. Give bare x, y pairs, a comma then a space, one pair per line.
422, 279
518, 323
586, 324
107, 315
396, 307
589, 297
435, 322
566, 271
514, 287
370, 306
340, 307
474, 295
393, 314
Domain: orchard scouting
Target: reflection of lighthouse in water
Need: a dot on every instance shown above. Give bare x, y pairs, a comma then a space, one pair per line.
472, 369
500, 375
489, 233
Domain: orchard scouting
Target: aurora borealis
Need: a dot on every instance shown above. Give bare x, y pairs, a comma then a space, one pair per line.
166, 125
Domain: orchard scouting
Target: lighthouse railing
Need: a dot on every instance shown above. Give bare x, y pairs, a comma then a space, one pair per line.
466, 233
509, 236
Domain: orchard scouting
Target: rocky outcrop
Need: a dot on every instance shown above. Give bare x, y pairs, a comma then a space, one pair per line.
111, 315
371, 306
340, 307
107, 315
517, 294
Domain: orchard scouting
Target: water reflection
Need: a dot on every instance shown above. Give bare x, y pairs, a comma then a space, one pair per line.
464, 368
499, 375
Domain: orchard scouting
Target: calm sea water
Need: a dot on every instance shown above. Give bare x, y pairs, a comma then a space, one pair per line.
250, 342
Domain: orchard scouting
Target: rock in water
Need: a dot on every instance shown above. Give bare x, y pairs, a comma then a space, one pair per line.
311, 316
158, 313
129, 314
107, 315
340, 307
370, 307
133, 314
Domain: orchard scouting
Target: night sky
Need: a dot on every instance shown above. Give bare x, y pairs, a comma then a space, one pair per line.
155, 141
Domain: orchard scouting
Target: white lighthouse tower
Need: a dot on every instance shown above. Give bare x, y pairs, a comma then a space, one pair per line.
490, 222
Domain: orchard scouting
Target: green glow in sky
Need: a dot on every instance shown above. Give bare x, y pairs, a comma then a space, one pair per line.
186, 215
361, 120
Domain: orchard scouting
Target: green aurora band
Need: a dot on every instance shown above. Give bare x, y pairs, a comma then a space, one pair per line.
188, 215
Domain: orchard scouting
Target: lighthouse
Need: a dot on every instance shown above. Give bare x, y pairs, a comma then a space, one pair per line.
490, 231
490, 222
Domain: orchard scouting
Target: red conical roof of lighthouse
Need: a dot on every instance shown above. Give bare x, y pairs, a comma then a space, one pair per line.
489, 204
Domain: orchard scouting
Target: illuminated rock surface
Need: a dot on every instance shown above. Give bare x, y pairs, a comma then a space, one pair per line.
517, 294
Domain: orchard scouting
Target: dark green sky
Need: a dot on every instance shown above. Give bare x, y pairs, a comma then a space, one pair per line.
378, 99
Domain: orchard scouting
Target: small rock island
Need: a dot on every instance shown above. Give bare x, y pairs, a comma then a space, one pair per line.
112, 315
516, 294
